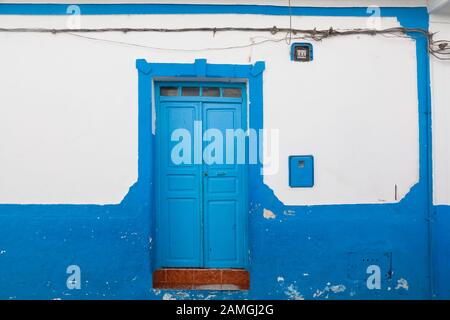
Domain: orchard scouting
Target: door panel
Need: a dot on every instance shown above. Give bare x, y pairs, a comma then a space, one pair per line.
179, 191
222, 234
183, 230
224, 208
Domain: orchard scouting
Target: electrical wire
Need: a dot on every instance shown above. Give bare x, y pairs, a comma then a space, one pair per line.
243, 46
437, 48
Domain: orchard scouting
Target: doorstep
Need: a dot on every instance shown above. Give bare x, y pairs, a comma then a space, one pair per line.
201, 279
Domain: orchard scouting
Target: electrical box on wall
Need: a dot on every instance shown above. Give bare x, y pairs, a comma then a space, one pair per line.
301, 171
302, 52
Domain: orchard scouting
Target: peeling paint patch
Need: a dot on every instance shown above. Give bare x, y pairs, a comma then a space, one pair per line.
2, 252
329, 289
168, 296
157, 292
338, 288
269, 214
318, 293
254, 207
280, 279
150, 243
402, 284
181, 295
289, 212
292, 293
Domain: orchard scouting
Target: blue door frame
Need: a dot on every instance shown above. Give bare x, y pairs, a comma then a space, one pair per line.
201, 208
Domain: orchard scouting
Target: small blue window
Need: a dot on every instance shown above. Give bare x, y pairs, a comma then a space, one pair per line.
301, 171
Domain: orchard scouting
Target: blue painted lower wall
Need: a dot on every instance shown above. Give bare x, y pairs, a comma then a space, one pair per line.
292, 256
441, 251
305, 252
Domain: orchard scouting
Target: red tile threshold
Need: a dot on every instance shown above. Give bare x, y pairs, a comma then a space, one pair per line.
201, 279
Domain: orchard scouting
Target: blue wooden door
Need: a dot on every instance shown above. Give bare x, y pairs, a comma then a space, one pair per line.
201, 195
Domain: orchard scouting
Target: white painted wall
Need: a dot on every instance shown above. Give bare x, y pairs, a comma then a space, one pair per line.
68, 107
440, 79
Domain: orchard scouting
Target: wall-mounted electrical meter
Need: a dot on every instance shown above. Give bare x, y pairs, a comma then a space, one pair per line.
302, 52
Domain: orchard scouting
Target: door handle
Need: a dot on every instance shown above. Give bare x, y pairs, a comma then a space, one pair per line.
205, 174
